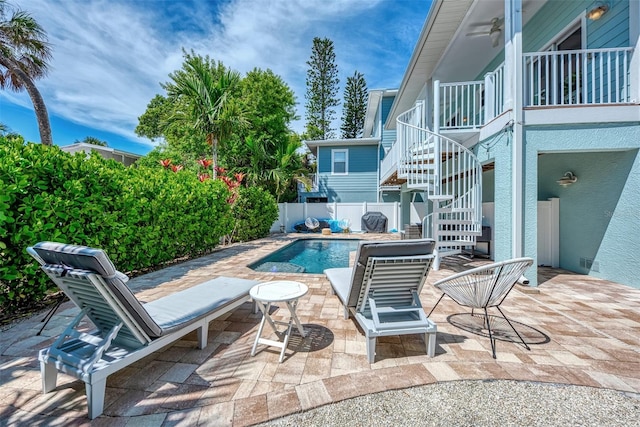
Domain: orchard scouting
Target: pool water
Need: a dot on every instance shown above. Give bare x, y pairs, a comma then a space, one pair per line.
310, 256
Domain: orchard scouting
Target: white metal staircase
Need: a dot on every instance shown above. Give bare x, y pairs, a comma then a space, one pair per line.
450, 174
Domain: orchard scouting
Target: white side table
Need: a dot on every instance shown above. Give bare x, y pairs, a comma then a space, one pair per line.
267, 293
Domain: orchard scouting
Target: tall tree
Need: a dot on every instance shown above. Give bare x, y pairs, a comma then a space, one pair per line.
355, 106
24, 55
322, 90
207, 89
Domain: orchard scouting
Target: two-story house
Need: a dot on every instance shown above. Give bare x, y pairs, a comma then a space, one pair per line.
515, 102
347, 170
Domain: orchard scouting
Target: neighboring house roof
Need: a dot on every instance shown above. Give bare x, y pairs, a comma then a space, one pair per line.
123, 157
313, 145
372, 114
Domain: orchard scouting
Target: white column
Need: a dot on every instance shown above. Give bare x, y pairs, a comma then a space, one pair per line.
514, 88
489, 101
634, 36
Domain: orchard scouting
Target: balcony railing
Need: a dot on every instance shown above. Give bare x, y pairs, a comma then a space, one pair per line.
494, 93
577, 77
461, 105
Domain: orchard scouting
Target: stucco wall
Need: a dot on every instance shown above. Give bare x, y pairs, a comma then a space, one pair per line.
599, 214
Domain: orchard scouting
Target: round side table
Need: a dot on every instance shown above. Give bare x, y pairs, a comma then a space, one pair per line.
267, 293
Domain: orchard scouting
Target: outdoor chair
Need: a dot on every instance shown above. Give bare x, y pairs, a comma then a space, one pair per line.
127, 330
484, 287
382, 290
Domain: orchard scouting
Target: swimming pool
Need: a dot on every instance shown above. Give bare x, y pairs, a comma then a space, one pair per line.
310, 256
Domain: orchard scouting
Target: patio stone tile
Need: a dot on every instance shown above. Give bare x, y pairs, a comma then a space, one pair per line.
290, 371
607, 380
315, 369
312, 395
220, 414
179, 372
152, 420
250, 410
441, 371
185, 396
143, 378
187, 418
283, 402
220, 391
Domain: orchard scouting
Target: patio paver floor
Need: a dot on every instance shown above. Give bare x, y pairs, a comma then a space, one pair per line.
581, 330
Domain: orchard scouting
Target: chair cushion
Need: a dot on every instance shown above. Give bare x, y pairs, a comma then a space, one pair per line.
340, 279
393, 248
179, 309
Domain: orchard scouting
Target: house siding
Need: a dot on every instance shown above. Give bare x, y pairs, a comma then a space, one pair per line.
388, 136
361, 182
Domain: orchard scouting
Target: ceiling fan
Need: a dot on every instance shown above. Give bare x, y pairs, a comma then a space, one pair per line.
494, 31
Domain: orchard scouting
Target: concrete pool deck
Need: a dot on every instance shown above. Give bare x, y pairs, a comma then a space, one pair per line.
581, 330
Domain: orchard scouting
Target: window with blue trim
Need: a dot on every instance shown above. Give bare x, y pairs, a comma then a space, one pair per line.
339, 162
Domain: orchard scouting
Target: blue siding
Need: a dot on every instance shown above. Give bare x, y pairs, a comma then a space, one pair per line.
361, 182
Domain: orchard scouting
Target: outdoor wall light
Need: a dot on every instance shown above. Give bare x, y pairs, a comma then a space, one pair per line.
567, 179
597, 12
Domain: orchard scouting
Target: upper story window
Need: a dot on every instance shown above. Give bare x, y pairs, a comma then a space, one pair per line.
339, 162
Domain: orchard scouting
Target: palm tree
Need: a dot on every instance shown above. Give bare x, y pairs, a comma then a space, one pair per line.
24, 52
208, 91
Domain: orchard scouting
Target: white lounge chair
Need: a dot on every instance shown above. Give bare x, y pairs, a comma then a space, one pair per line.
484, 287
127, 330
382, 290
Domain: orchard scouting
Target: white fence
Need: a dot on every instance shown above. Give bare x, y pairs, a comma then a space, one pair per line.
291, 214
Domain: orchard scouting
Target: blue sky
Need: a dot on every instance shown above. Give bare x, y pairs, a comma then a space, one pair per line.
109, 57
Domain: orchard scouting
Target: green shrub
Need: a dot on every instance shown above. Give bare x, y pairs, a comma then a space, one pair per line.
140, 216
254, 211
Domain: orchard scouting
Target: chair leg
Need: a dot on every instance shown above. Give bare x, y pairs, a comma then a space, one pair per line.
434, 307
371, 349
49, 375
514, 329
491, 339
95, 397
430, 341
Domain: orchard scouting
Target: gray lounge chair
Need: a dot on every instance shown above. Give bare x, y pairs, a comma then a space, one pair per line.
382, 290
127, 330
484, 287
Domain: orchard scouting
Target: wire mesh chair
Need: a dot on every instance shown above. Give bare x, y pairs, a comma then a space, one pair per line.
484, 287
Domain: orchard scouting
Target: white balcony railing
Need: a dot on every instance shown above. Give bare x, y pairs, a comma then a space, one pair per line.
494, 93
461, 105
577, 77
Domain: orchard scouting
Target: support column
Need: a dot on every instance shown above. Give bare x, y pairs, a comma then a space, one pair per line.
514, 91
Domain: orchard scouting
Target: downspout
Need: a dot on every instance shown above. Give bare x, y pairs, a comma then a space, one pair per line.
513, 56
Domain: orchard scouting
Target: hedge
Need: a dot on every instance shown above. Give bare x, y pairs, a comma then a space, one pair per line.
142, 217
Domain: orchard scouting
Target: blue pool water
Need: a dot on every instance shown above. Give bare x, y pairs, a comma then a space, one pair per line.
311, 256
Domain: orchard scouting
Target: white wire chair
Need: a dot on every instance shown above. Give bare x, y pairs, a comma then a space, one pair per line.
484, 287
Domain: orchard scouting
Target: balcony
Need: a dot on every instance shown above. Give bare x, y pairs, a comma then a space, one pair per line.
587, 77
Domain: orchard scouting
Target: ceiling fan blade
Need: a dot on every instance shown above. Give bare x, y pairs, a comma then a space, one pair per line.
478, 33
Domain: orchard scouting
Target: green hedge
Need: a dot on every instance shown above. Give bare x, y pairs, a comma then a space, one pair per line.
254, 211
141, 217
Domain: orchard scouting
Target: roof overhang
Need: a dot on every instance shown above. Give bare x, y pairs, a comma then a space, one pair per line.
313, 145
441, 24
373, 105
451, 46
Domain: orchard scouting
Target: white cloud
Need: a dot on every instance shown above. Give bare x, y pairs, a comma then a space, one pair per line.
110, 56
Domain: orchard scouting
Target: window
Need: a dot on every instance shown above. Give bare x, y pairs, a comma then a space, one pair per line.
339, 162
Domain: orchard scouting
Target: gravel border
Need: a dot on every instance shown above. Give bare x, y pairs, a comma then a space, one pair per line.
478, 403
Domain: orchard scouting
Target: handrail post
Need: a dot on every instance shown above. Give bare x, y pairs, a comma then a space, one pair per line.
489, 99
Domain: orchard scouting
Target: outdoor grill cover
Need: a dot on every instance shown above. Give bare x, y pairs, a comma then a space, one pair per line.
374, 222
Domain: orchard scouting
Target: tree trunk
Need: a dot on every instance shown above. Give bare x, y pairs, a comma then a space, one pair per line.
38, 103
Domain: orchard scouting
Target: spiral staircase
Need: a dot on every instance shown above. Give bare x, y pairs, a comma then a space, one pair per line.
451, 177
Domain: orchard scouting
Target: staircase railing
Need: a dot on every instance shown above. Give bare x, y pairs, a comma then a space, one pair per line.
452, 177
